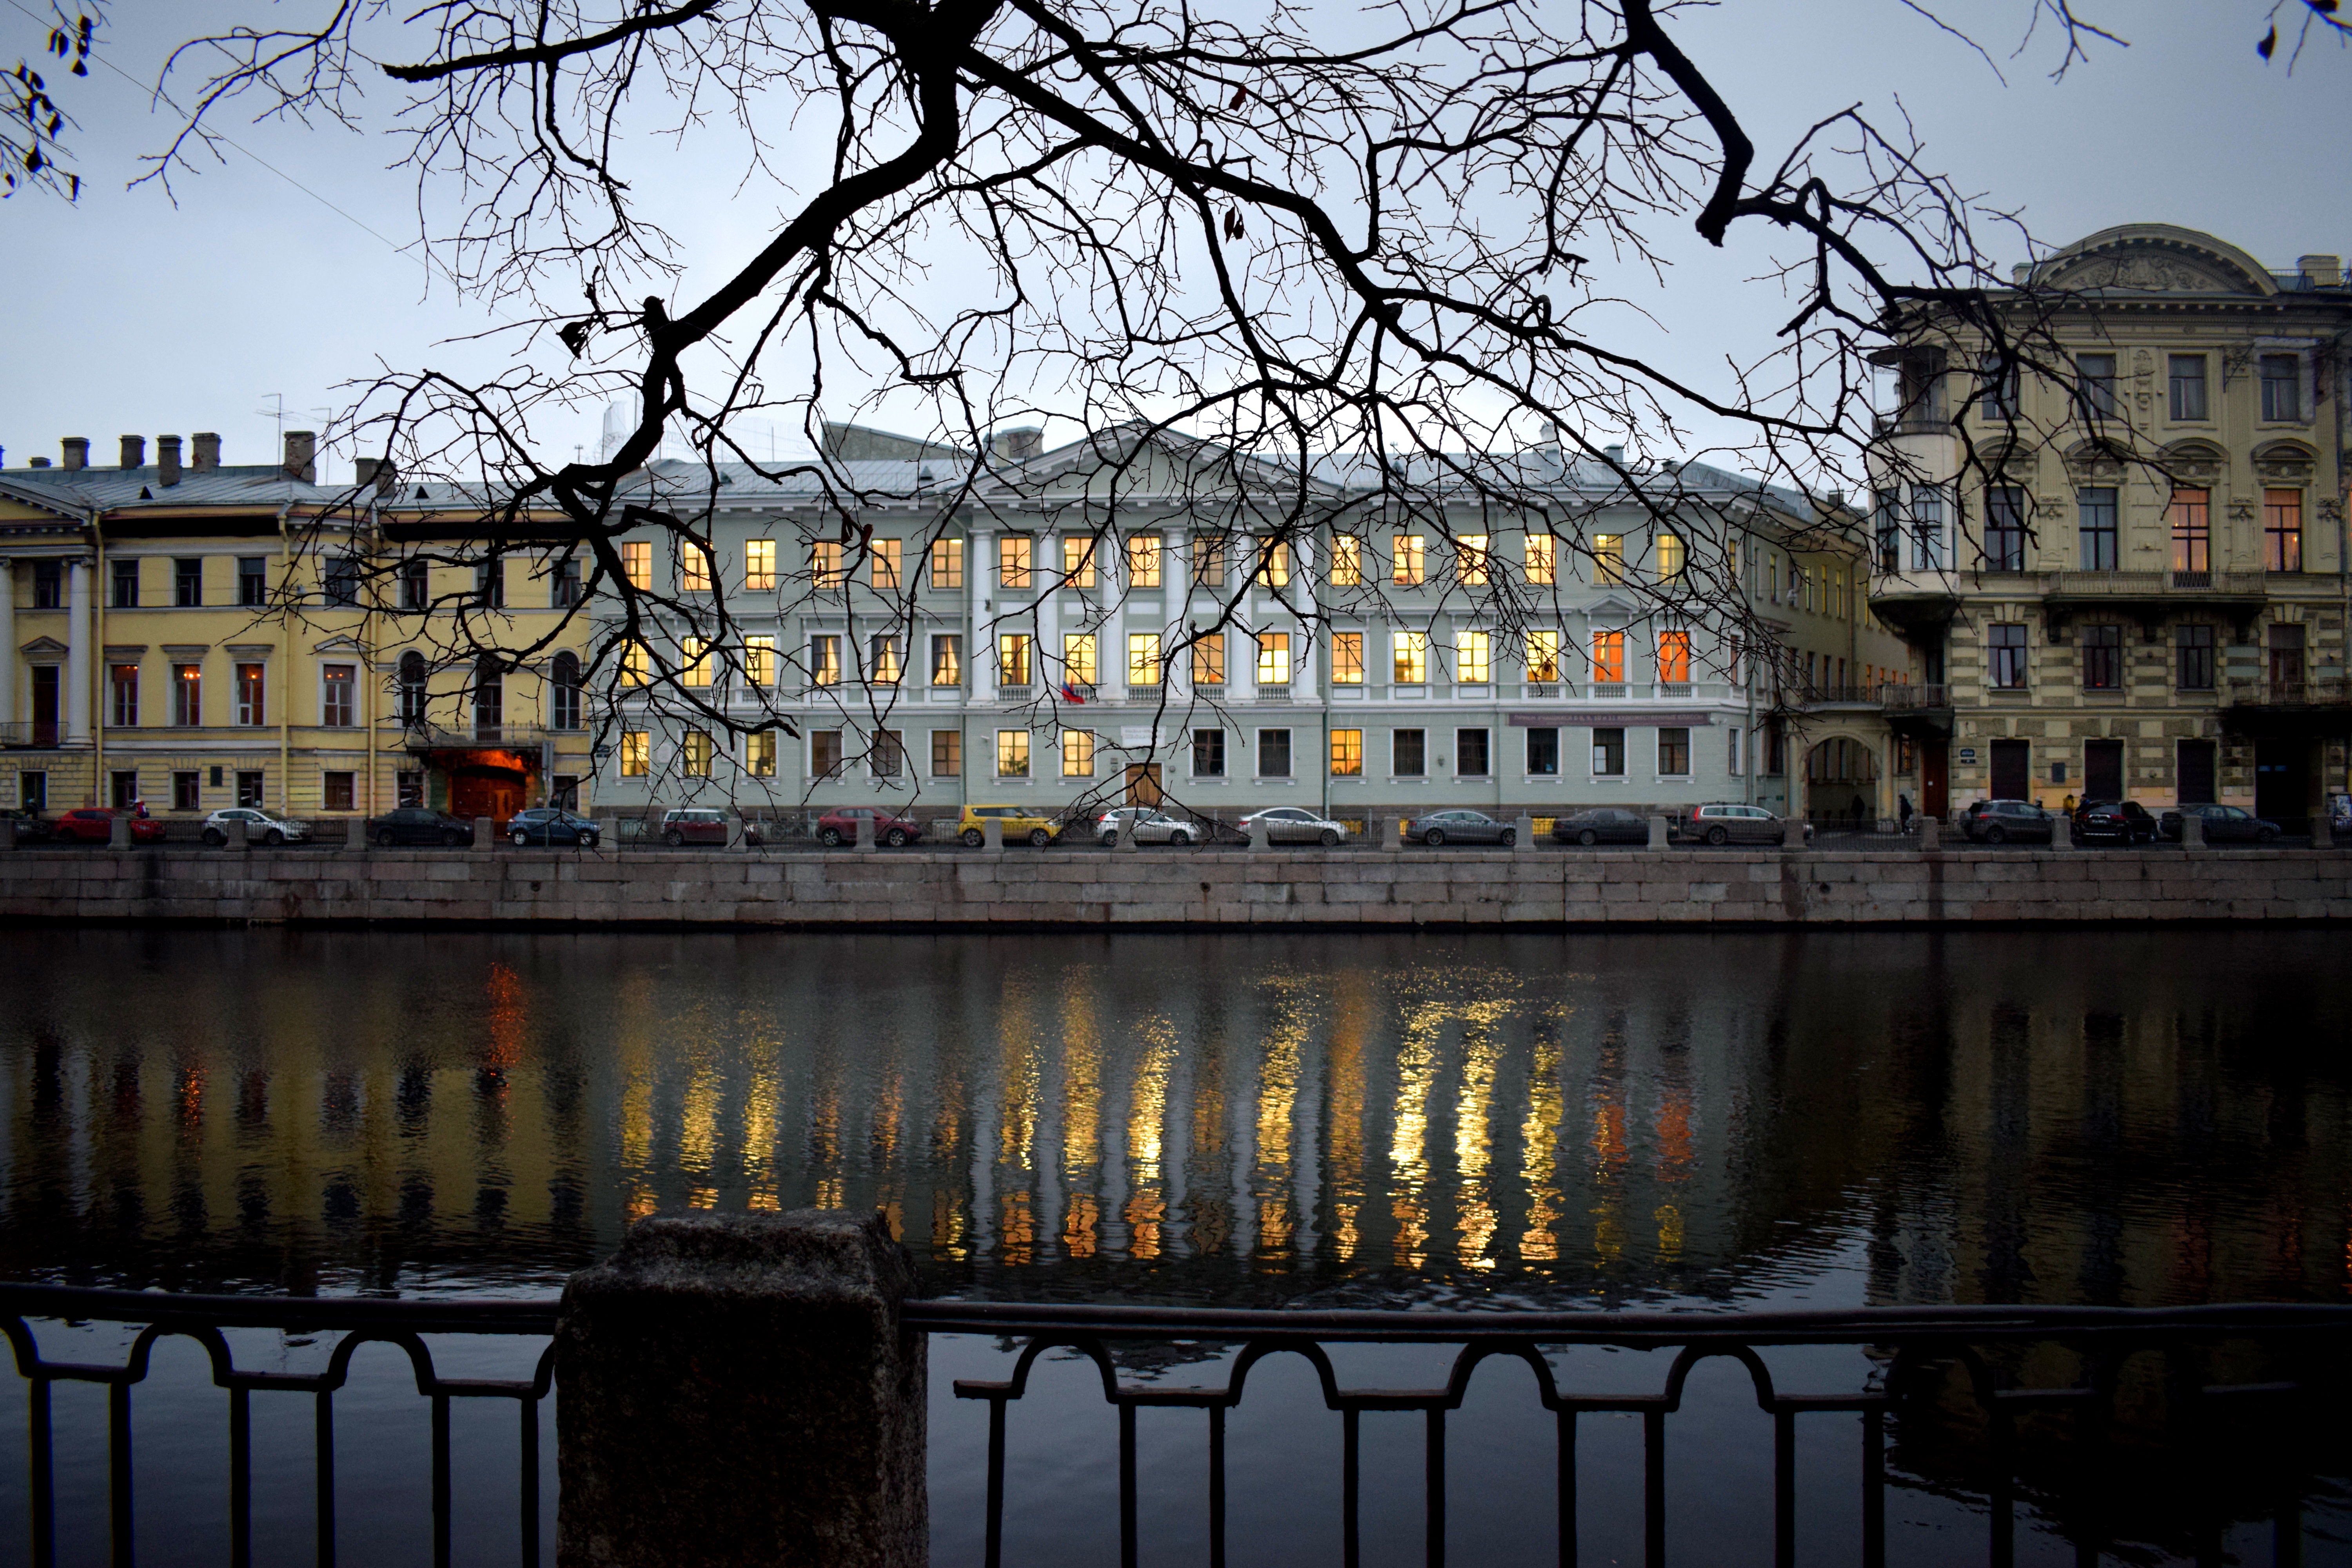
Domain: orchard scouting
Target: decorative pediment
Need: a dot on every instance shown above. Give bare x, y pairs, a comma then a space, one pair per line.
44, 647
2194, 463
1615, 604
2156, 258
342, 644
2095, 463
2285, 462
2153, 274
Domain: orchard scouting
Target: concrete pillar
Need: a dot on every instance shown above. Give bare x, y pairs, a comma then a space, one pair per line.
238, 837
7, 833
992, 835
1658, 833
355, 834
2192, 830
483, 827
2062, 831
737, 1389
78, 635
1391, 832
1526, 830
2323, 830
1929, 831
1260, 838
1793, 833
118, 833
865, 836
1126, 835
608, 833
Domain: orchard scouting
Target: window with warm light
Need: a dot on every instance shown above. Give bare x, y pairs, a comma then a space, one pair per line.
946, 564
1273, 562
1143, 560
1078, 563
1473, 657
759, 660
946, 661
1209, 659
824, 563
1543, 656
694, 568
636, 753
1274, 658
635, 667
1013, 560
187, 695
1608, 559
2192, 531
1412, 661
1346, 561
760, 566
1012, 754
1673, 656
695, 654
824, 659
1347, 754
883, 563
1143, 659
889, 651
2283, 530
1470, 558
759, 754
1077, 753
694, 753
1670, 557
1609, 657
1078, 657
636, 565
252, 706
1543, 559
1346, 658
1012, 658
122, 685
339, 706
1408, 560
1209, 561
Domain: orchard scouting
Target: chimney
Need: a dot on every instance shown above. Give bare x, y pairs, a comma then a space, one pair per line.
1019, 446
375, 470
2324, 271
167, 459
207, 447
1615, 455
134, 451
41, 462
302, 456
2020, 274
77, 451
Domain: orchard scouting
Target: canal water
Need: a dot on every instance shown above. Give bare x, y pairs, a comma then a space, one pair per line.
1679, 1119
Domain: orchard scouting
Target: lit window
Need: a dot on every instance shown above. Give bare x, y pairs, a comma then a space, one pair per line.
759, 754
636, 753
825, 660
759, 660
636, 565
1078, 657
1274, 658
1473, 657
1346, 561
1670, 557
338, 709
634, 665
946, 564
1607, 558
1012, 560
889, 653
824, 563
1471, 552
760, 564
1543, 559
1078, 563
1609, 657
1347, 754
694, 568
1143, 561
1273, 562
252, 709
2192, 531
883, 563
187, 695
2283, 530
1543, 656
1406, 564
1077, 753
1209, 659
1412, 658
694, 753
123, 681
1012, 658
1673, 656
946, 661
1346, 658
1012, 754
1143, 659
696, 654
1209, 561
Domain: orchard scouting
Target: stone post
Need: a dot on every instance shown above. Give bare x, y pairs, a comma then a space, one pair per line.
1658, 833
737, 1389
865, 836
1526, 828
1127, 839
2192, 830
2061, 830
118, 833
992, 835
2323, 830
1391, 832
1929, 829
482, 828
1793, 833
7, 833
355, 834
238, 837
1260, 837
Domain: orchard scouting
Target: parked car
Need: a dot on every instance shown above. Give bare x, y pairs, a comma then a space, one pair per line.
30, 828
1998, 821
95, 825
839, 827
1722, 822
260, 827
1602, 824
1148, 824
687, 825
2223, 825
2125, 821
416, 824
551, 826
1021, 822
1459, 828
1296, 824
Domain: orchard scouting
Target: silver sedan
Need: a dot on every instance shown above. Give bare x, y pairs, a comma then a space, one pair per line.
1148, 825
1294, 824
1460, 827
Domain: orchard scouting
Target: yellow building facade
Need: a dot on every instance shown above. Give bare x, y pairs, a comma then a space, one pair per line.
197, 637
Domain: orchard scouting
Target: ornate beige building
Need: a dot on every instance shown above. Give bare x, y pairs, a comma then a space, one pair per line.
2121, 568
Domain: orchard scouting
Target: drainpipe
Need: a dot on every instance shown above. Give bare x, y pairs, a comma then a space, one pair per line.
285, 662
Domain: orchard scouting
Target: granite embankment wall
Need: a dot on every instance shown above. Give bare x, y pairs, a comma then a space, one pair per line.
1164, 888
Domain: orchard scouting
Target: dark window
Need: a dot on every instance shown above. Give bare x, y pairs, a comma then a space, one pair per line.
408, 788
2187, 386
1407, 753
566, 590
49, 584
2286, 663
1273, 753
1673, 751
2005, 653
185, 785
1609, 752
564, 710
2095, 512
490, 584
1887, 520
188, 582
2095, 378
2282, 387
2193, 646
1470, 758
1543, 751
565, 796
2005, 529
123, 785
32, 792
2196, 763
412, 688
946, 754
252, 580
2103, 658
126, 585
2011, 769
2000, 387
2103, 770
343, 581
489, 697
336, 789
416, 585
249, 788
1209, 754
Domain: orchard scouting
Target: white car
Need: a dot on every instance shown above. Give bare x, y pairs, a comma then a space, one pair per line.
1296, 824
260, 827
1149, 824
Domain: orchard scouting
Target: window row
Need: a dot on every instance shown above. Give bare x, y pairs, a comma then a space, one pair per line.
1915, 539
338, 695
341, 578
2095, 395
2101, 666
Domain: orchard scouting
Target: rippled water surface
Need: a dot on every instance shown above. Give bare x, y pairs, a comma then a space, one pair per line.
2092, 1117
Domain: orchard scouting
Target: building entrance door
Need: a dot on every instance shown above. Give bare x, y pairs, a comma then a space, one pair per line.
2103, 770
2283, 783
1935, 778
45, 704
1143, 783
2012, 770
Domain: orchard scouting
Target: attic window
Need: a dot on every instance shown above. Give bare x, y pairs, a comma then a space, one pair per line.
420, 492
146, 494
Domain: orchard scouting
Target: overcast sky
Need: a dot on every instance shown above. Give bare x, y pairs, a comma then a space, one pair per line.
130, 314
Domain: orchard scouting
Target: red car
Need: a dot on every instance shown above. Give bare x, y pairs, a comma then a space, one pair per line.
95, 825
839, 827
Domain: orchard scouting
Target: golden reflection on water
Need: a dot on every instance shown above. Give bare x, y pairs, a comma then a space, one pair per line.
1147, 1139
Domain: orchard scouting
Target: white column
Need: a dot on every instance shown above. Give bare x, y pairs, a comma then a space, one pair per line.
1045, 570
1176, 595
77, 636
1303, 650
980, 637
7, 641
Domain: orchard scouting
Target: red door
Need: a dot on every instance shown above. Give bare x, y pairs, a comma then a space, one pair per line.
1934, 777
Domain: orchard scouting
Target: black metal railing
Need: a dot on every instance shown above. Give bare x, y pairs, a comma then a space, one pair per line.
1983, 1371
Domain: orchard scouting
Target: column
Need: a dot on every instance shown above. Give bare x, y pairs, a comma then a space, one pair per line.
7, 641
78, 638
1176, 597
980, 637
1044, 568
1304, 671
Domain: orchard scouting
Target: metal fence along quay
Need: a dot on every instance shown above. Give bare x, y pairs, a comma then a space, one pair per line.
2050, 1402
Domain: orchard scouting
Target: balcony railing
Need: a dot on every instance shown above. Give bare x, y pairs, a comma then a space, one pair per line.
1142, 693
1899, 697
2291, 693
1274, 694
429, 737
26, 733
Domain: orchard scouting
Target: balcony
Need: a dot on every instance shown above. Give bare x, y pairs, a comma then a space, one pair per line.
28, 734
1274, 694
2288, 709
1142, 693
427, 737
1897, 699
1921, 601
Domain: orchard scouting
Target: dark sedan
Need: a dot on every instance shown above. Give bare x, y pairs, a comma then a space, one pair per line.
839, 827
553, 826
2125, 821
2223, 825
414, 825
2004, 821
30, 828
1602, 824
1459, 828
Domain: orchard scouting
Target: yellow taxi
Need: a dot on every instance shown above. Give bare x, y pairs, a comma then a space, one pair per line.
1020, 821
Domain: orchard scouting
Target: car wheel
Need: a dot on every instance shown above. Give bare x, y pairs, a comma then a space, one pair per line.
896, 838
1181, 840
1039, 839
518, 838
273, 838
1434, 837
1110, 840
1330, 836
215, 838
677, 840
1996, 835
454, 839
830, 838
973, 838
2264, 836
1588, 838
384, 838
1718, 836
1510, 838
